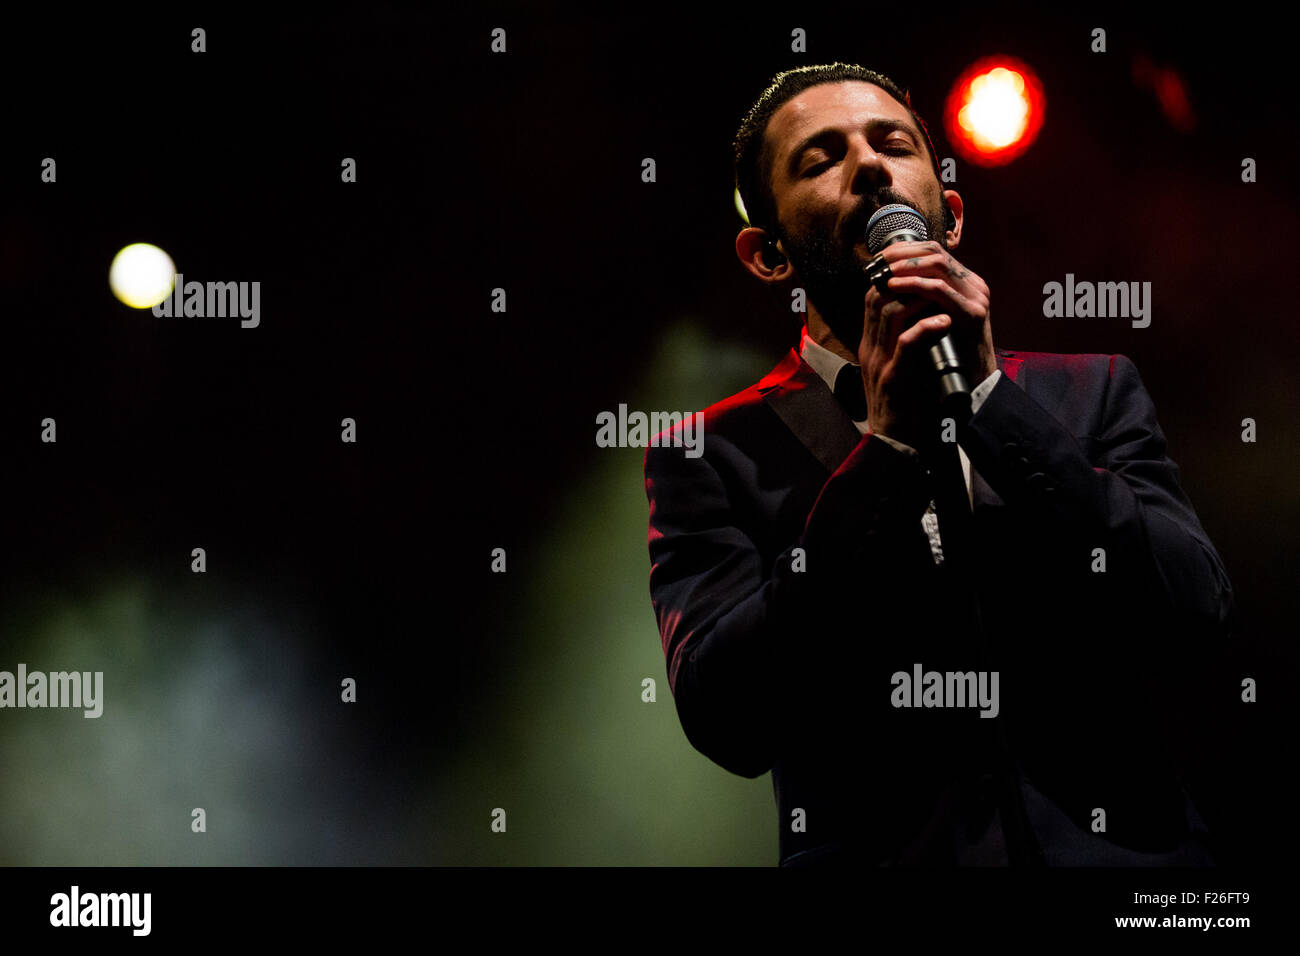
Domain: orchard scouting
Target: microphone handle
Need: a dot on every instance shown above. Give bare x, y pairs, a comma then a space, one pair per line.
954, 389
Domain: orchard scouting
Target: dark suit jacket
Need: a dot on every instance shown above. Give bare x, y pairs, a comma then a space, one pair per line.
781, 660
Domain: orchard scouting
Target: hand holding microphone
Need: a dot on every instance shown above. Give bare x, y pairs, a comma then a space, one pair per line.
920, 297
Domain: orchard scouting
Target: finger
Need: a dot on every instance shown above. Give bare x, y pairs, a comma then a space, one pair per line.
899, 312
938, 264
876, 321
941, 267
900, 251
933, 266
921, 336
941, 291
893, 315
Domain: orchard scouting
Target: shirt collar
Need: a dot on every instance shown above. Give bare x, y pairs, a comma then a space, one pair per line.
821, 359
826, 364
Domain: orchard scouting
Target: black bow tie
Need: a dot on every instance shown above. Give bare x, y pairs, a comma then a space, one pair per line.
851, 394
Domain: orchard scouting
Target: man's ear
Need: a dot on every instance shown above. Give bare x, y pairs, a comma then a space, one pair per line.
762, 255
956, 218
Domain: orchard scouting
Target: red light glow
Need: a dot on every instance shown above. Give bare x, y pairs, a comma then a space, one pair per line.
994, 111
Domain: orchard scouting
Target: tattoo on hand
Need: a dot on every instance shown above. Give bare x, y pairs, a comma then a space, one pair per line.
956, 271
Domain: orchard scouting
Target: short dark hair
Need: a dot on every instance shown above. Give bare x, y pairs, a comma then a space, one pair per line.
753, 159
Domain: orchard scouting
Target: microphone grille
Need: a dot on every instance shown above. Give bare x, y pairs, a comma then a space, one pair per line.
888, 220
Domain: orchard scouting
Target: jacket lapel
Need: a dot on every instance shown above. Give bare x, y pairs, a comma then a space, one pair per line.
1012, 366
809, 409
982, 494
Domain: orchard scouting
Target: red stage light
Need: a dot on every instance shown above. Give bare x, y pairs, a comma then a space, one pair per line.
994, 111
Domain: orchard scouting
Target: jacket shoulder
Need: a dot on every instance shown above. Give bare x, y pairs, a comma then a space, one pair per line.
1070, 363
732, 416
1070, 370
1081, 390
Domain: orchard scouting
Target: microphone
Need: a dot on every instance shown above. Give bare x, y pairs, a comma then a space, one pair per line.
898, 223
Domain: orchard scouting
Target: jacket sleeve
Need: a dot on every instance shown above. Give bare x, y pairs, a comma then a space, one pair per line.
729, 624
1120, 494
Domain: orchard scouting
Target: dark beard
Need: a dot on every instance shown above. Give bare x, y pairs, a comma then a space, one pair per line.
831, 272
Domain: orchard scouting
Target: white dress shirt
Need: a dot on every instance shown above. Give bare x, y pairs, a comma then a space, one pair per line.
827, 365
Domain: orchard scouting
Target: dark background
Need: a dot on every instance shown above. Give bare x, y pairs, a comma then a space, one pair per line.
475, 428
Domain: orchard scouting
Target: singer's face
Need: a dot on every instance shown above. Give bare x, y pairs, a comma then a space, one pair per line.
840, 151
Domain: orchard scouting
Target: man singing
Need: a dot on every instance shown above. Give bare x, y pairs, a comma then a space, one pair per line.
943, 633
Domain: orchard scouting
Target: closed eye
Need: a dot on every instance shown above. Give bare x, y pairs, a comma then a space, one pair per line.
894, 148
